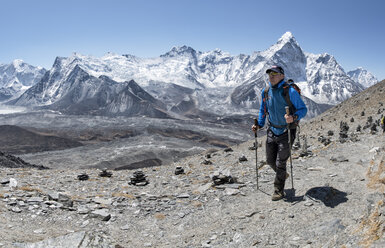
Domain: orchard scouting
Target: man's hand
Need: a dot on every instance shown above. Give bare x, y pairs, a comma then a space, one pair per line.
289, 118
254, 128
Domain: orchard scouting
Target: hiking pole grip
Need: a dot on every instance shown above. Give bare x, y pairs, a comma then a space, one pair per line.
256, 151
287, 110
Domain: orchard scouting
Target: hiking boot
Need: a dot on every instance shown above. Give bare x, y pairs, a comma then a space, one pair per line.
278, 195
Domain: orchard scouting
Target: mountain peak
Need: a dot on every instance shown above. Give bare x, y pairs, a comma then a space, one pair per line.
363, 76
287, 38
286, 42
179, 50
17, 63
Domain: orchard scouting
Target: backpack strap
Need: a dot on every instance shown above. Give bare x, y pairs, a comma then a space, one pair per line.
286, 95
292, 109
265, 97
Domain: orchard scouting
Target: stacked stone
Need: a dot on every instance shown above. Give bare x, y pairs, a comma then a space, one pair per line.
369, 122
358, 128
242, 158
138, 179
105, 173
222, 178
373, 128
179, 170
343, 131
83, 177
324, 140
207, 162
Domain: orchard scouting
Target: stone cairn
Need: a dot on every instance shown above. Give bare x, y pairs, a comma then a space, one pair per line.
138, 179
372, 125
222, 177
358, 128
344, 128
368, 123
83, 177
242, 158
373, 128
324, 140
179, 170
206, 162
105, 173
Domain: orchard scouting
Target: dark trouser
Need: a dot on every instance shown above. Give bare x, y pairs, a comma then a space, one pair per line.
277, 153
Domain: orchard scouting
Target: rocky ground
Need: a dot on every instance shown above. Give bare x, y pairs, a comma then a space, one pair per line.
337, 200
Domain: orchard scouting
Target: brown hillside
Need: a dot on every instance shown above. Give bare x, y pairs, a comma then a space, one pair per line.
17, 140
368, 103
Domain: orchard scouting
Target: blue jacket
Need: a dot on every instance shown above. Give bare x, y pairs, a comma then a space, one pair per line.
275, 105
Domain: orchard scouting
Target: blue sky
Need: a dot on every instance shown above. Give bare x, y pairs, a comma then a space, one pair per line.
38, 31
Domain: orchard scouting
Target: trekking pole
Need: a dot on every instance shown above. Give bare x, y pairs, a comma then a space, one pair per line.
291, 163
256, 150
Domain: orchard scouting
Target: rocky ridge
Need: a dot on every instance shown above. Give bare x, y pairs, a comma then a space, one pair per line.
338, 199
185, 83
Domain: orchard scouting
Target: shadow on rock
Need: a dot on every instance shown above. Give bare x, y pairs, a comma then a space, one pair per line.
330, 196
290, 196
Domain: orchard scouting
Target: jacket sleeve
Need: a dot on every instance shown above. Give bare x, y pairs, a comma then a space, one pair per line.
262, 114
298, 103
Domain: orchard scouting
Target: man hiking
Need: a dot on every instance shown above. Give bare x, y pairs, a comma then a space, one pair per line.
277, 142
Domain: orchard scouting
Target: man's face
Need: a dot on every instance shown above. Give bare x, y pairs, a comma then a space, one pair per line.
275, 77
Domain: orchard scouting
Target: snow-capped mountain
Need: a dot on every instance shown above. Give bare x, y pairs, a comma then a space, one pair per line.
192, 82
17, 77
362, 76
82, 93
327, 81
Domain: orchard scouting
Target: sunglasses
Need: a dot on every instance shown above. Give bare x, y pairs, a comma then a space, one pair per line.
273, 73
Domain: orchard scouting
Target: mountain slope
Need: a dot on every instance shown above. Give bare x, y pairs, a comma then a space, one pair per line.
77, 92
327, 82
355, 111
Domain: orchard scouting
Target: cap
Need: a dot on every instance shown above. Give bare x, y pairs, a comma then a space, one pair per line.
275, 68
